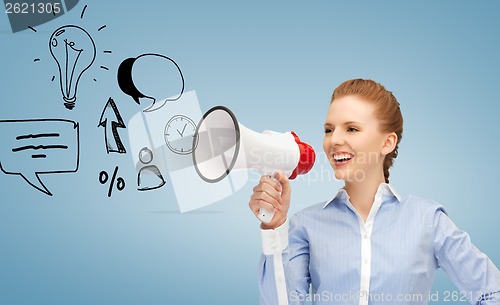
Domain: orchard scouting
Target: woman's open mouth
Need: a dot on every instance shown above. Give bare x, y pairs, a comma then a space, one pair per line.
341, 159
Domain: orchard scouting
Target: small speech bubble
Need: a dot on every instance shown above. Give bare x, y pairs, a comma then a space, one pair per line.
151, 76
33, 147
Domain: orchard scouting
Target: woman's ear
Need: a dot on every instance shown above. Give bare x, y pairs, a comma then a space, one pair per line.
389, 143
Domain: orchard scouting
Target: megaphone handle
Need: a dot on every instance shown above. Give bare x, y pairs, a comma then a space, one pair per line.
265, 215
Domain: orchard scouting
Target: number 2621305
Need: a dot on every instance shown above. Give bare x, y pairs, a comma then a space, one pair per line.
32, 8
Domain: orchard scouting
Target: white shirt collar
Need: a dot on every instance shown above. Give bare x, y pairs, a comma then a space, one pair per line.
383, 189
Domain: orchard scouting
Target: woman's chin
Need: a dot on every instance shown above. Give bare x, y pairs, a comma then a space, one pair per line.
340, 174
349, 175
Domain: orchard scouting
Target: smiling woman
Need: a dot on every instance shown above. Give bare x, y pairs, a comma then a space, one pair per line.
367, 241
365, 98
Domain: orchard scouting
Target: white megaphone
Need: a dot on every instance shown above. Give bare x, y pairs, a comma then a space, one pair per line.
221, 145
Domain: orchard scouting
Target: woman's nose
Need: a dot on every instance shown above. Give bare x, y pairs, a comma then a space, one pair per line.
336, 138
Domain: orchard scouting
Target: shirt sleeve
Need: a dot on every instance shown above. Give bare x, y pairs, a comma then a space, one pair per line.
471, 271
286, 245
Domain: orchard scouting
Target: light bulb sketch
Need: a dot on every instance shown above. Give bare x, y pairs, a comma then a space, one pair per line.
74, 52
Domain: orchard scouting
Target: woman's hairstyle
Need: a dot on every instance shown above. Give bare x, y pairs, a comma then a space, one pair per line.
386, 110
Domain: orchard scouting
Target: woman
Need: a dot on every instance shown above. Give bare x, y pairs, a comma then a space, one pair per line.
367, 245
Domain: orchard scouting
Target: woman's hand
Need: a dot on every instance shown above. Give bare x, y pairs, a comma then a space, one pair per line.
272, 196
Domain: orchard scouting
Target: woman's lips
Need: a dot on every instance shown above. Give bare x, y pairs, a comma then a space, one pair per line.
342, 158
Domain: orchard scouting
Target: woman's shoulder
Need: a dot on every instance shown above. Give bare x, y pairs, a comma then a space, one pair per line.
421, 203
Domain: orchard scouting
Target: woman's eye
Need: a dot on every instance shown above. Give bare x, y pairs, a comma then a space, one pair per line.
351, 129
328, 130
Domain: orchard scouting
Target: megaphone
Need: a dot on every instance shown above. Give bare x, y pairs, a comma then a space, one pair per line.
222, 145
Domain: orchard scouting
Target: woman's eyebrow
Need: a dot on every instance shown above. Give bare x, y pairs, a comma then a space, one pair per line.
352, 122
327, 124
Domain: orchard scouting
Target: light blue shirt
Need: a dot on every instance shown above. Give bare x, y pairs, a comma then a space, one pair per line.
332, 256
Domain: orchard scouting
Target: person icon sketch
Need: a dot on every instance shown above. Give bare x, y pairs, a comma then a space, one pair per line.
154, 178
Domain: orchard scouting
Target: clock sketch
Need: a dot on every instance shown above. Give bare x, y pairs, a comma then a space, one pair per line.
179, 133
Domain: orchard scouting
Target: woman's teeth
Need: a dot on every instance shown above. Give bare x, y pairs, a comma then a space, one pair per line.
342, 157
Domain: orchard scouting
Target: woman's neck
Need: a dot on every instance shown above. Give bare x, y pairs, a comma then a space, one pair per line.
362, 194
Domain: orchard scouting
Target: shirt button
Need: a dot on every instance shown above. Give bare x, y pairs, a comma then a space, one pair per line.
365, 236
365, 261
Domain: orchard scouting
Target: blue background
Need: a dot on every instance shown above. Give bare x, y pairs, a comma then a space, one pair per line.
275, 64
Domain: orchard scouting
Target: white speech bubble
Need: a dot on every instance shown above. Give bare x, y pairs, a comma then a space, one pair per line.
157, 77
44, 146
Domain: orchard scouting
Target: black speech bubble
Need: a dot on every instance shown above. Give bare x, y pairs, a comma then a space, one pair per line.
126, 83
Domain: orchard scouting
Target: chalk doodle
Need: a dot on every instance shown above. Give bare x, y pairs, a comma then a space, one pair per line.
151, 76
156, 180
74, 51
44, 146
111, 120
180, 134
120, 182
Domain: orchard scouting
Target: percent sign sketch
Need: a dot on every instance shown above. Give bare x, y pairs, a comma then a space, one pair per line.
104, 177
32, 147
